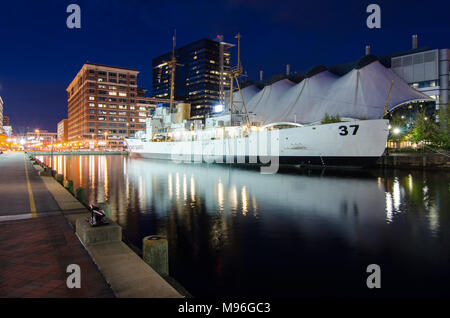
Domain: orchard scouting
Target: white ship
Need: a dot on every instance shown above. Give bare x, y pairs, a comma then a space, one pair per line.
355, 143
234, 137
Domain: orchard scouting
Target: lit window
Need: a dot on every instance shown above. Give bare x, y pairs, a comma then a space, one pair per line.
122, 94
91, 98
113, 93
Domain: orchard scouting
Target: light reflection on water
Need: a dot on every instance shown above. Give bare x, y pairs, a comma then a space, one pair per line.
234, 231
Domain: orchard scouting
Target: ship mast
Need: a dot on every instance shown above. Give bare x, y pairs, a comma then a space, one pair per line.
235, 73
172, 64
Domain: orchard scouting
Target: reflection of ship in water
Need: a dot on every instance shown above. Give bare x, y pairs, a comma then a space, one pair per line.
225, 191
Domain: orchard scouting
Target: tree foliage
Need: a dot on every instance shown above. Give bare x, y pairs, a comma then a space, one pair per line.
425, 130
327, 119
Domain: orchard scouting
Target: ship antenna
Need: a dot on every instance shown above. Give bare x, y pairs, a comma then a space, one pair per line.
172, 63
234, 76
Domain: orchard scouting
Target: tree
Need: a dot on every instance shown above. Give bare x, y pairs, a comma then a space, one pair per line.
426, 130
444, 126
327, 119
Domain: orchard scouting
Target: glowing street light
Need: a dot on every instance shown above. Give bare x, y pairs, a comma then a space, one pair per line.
396, 131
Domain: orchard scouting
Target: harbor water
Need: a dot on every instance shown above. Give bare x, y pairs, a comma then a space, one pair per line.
233, 231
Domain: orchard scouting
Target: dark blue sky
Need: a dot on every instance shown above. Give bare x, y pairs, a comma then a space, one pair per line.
39, 55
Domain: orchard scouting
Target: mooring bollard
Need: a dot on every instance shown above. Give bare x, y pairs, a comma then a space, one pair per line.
68, 184
155, 252
60, 178
81, 194
105, 207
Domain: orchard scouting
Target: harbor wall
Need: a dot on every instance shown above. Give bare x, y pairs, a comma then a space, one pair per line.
76, 153
415, 161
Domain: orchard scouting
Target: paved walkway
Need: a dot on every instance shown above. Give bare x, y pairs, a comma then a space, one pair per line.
36, 241
23, 194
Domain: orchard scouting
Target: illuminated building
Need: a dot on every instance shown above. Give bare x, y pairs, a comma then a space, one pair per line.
40, 137
102, 105
62, 131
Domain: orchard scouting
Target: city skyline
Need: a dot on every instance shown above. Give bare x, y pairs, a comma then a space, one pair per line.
41, 55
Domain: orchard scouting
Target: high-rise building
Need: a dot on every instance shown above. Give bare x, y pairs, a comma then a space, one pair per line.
63, 131
102, 105
200, 77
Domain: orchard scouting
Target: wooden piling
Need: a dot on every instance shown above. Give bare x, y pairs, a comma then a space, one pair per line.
155, 252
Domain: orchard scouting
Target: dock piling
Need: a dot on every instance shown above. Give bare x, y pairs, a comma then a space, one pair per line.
155, 252
81, 194
60, 178
68, 184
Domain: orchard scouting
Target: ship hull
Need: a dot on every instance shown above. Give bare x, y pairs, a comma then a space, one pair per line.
358, 143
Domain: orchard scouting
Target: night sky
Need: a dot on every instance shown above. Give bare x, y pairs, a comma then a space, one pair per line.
39, 55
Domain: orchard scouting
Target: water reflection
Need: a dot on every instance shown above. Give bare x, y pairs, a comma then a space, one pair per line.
233, 231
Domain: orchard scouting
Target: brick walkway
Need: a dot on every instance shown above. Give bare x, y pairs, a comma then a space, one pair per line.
34, 255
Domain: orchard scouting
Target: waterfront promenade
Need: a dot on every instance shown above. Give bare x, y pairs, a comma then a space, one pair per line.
36, 241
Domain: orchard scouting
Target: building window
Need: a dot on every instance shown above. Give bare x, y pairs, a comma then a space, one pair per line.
91, 98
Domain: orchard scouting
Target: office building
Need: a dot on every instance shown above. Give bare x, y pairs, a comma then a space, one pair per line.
200, 77
426, 70
63, 131
102, 105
